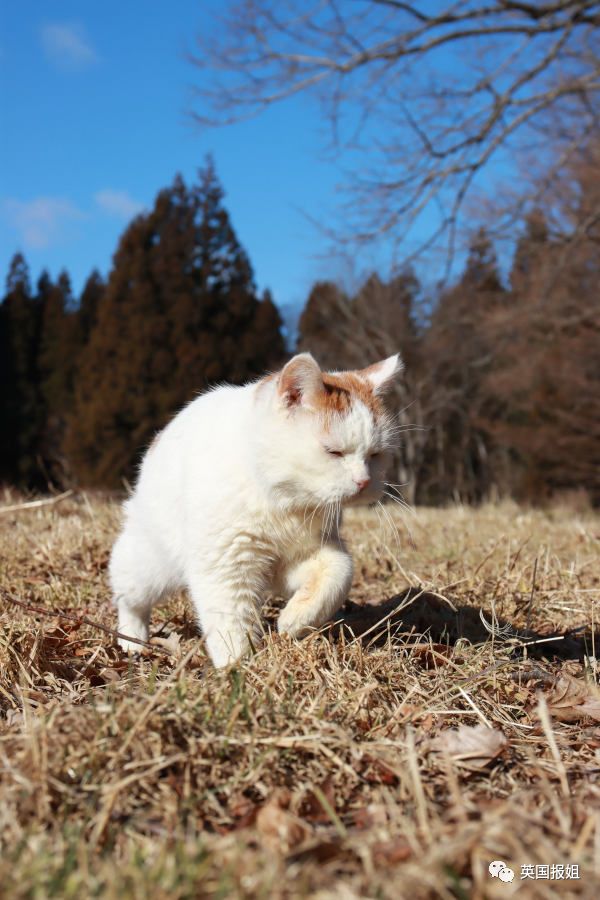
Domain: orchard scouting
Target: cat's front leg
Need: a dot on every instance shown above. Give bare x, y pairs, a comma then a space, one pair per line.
320, 585
227, 601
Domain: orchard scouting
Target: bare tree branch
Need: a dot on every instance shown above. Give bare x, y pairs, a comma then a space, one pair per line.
450, 88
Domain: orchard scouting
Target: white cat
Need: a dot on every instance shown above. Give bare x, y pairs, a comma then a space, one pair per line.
240, 496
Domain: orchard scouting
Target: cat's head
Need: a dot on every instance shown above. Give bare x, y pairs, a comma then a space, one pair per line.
329, 435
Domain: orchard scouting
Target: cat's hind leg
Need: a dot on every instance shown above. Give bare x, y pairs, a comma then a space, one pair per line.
320, 585
139, 577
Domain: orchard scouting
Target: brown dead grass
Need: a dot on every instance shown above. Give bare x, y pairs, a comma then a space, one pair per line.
394, 755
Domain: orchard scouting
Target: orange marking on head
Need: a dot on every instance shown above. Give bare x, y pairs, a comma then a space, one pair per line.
344, 389
327, 393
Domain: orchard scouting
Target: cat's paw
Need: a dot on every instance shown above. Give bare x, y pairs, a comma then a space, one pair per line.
221, 660
129, 647
294, 621
225, 649
132, 625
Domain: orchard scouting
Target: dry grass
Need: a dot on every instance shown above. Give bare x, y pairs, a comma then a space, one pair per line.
327, 768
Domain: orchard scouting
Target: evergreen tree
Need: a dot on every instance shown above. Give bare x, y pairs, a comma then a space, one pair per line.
122, 385
21, 400
57, 345
458, 354
57, 359
179, 313
529, 250
390, 307
262, 343
89, 304
547, 365
481, 272
7, 425
329, 329
220, 329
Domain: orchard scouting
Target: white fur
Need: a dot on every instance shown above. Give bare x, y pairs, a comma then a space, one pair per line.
239, 497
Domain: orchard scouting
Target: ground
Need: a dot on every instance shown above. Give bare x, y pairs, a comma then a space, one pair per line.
432, 730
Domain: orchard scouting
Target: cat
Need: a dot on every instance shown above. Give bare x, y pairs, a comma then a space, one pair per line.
240, 496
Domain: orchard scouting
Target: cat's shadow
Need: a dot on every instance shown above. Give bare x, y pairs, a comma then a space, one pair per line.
420, 615
417, 615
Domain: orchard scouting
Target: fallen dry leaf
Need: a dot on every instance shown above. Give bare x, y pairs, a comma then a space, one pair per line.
244, 811
110, 674
389, 853
85, 651
278, 828
427, 723
311, 807
431, 656
472, 746
368, 816
570, 699
376, 771
320, 851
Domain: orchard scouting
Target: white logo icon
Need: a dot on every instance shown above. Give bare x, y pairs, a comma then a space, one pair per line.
499, 869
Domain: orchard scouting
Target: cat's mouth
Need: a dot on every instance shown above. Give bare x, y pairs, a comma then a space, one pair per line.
366, 497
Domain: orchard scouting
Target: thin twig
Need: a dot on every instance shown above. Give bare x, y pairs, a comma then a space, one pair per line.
530, 604
81, 620
546, 721
35, 504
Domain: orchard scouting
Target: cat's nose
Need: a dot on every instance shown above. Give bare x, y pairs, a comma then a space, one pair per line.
363, 483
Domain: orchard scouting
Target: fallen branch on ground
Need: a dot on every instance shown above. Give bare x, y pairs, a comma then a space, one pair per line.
82, 620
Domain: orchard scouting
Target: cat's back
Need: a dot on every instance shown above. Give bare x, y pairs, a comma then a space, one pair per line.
194, 465
201, 439
209, 420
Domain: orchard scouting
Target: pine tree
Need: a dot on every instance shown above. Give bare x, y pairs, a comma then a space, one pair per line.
57, 359
7, 462
481, 272
329, 329
217, 320
56, 354
89, 305
179, 313
121, 390
21, 400
459, 353
262, 343
547, 367
529, 250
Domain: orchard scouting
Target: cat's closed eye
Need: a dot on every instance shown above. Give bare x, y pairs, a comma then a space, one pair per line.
333, 452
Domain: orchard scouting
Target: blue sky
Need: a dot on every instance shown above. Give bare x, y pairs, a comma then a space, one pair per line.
94, 109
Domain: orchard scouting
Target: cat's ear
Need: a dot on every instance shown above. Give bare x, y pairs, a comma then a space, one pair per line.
300, 381
381, 374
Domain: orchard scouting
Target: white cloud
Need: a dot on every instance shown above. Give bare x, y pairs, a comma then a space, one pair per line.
118, 203
40, 222
67, 46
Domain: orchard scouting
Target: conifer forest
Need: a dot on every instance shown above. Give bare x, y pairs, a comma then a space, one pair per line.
501, 388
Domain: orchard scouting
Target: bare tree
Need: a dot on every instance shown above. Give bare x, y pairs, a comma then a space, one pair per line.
424, 96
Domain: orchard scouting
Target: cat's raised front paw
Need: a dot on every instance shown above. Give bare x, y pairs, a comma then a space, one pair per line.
293, 621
